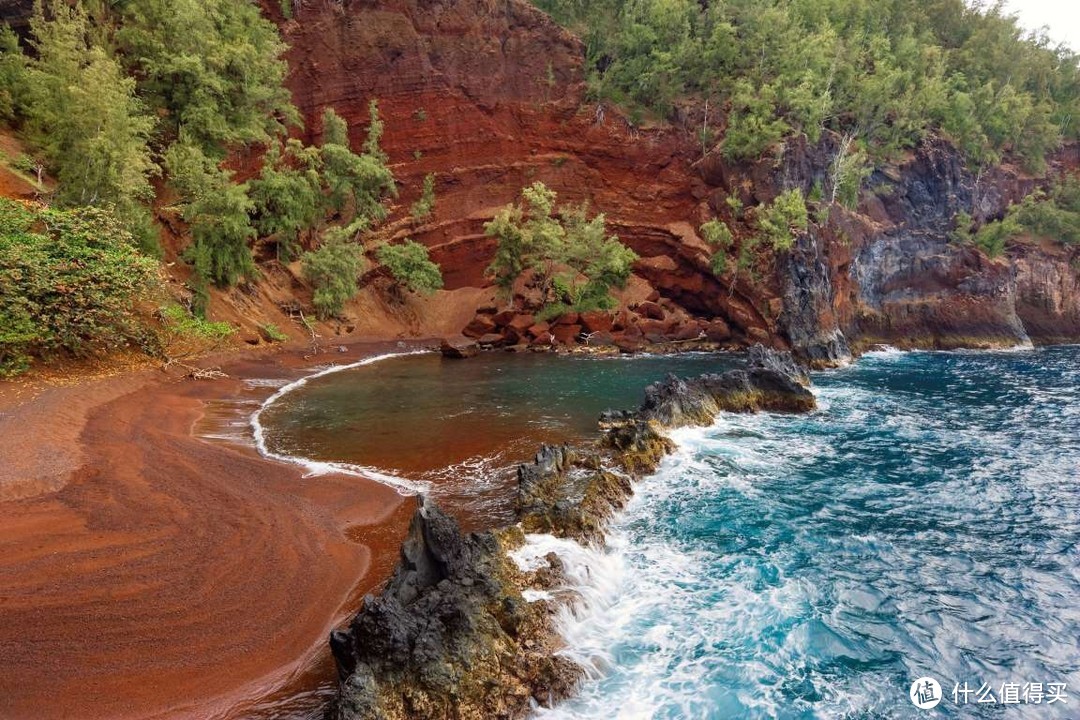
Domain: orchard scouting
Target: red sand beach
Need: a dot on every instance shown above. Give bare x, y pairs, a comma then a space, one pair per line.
146, 572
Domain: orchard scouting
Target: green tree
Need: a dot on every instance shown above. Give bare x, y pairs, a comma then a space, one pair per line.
333, 270
411, 267
212, 68
780, 220
357, 181
82, 112
886, 72
425, 204
287, 196
718, 235
573, 260
12, 75
218, 212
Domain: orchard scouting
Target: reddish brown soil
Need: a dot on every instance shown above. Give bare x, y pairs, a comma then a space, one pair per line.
145, 572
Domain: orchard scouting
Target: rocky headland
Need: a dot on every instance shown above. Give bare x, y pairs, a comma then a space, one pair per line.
453, 634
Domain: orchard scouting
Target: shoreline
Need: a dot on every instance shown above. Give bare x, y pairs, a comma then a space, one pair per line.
59, 643
149, 572
463, 628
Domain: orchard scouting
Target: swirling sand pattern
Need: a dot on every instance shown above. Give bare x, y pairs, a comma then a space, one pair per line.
164, 575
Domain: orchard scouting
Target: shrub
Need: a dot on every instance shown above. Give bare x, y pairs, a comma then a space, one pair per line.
779, 220
287, 196
70, 283
425, 204
361, 181
83, 113
218, 213
717, 233
572, 257
411, 267
1055, 215
272, 333
993, 236
177, 320
332, 271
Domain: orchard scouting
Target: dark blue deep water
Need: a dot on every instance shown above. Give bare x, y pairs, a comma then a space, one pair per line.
924, 522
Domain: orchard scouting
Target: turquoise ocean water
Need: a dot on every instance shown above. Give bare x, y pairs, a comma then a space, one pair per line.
923, 522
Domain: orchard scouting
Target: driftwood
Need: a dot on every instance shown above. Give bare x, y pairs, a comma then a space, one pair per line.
195, 373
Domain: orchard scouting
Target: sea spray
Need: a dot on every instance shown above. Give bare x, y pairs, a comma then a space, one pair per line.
923, 522
594, 578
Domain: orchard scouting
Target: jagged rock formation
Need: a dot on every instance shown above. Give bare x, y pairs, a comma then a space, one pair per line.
452, 636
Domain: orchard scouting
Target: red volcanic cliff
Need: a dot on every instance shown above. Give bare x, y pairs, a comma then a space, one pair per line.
489, 96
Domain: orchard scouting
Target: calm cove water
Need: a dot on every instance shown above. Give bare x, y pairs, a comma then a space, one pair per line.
457, 429
924, 522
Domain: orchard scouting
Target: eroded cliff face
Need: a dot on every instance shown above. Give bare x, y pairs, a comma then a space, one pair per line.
489, 96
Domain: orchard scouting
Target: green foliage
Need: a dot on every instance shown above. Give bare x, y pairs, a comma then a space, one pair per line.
83, 114
287, 196
735, 205
887, 73
272, 333
178, 321
718, 234
962, 231
425, 204
25, 164
780, 220
572, 258
993, 236
850, 168
411, 267
211, 67
1054, 215
357, 181
374, 134
218, 213
753, 125
332, 271
12, 74
718, 263
70, 282
335, 129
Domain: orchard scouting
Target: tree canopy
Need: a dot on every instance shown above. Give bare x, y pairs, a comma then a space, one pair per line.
574, 262
884, 71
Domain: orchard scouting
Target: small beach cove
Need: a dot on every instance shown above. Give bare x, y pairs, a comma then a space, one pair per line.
156, 565
146, 571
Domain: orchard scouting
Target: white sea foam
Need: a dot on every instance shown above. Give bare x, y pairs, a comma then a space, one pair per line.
637, 617
885, 351
317, 467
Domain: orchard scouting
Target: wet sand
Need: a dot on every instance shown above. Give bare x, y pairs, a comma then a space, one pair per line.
149, 573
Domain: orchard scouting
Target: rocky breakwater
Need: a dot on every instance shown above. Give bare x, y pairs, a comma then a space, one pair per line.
460, 631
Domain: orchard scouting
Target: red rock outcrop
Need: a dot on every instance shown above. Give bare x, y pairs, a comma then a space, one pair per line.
489, 97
